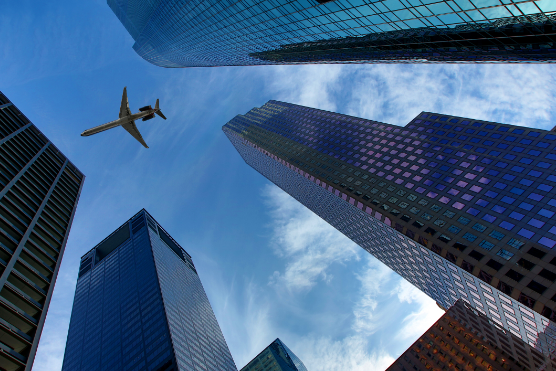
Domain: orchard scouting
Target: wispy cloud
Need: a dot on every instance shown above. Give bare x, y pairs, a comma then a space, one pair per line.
310, 85
385, 308
351, 353
425, 314
373, 284
309, 244
512, 94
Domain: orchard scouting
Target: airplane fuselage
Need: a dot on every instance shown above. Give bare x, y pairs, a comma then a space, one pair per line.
118, 122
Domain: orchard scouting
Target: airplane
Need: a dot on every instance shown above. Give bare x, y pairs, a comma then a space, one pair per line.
127, 120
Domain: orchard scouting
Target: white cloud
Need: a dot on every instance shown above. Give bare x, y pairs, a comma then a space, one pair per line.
308, 85
513, 94
309, 244
351, 353
309, 247
396, 93
373, 281
420, 320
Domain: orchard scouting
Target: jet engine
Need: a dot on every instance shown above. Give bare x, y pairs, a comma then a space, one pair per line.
146, 108
151, 116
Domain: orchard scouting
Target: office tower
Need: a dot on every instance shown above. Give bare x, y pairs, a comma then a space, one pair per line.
200, 33
465, 339
40, 190
140, 305
275, 357
459, 207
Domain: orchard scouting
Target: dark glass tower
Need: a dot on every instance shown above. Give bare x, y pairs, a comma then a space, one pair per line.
275, 357
461, 208
466, 339
39, 190
196, 33
139, 305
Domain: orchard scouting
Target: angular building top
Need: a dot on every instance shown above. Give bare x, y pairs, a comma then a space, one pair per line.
197, 33
39, 191
465, 339
276, 357
140, 301
460, 207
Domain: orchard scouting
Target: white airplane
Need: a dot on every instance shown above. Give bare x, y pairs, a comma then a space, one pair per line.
127, 120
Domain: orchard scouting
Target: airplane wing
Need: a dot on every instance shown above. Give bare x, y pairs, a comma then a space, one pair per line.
124, 107
132, 129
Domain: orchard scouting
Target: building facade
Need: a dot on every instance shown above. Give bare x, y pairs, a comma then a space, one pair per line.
39, 195
275, 357
461, 208
198, 33
465, 339
140, 305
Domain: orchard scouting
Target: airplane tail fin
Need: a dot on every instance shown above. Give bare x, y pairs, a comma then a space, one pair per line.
158, 111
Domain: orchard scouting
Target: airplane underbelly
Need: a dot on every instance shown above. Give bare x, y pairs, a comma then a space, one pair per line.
103, 127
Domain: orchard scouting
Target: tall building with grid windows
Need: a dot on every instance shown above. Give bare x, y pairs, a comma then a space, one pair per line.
275, 357
199, 33
140, 305
461, 208
39, 192
465, 339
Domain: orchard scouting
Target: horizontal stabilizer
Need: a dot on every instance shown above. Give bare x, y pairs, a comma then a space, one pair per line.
159, 113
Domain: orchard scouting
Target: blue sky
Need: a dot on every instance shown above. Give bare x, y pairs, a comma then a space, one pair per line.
270, 267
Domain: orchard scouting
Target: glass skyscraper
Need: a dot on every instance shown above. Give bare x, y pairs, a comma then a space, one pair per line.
462, 208
275, 357
197, 33
465, 339
40, 188
140, 305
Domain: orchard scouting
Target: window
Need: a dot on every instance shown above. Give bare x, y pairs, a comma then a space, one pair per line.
516, 215
545, 273
526, 206
454, 229
505, 254
476, 255
498, 209
536, 253
464, 220
536, 223
508, 200
517, 191
494, 264
479, 227
470, 237
497, 235
514, 275
516, 244
524, 263
537, 287
507, 225
526, 233
486, 245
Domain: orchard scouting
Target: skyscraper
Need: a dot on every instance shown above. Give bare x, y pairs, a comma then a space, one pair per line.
465, 338
40, 190
460, 207
275, 357
197, 33
140, 305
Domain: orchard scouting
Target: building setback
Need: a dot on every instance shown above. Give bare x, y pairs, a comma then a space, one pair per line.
197, 33
459, 207
38, 197
140, 305
275, 357
466, 339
